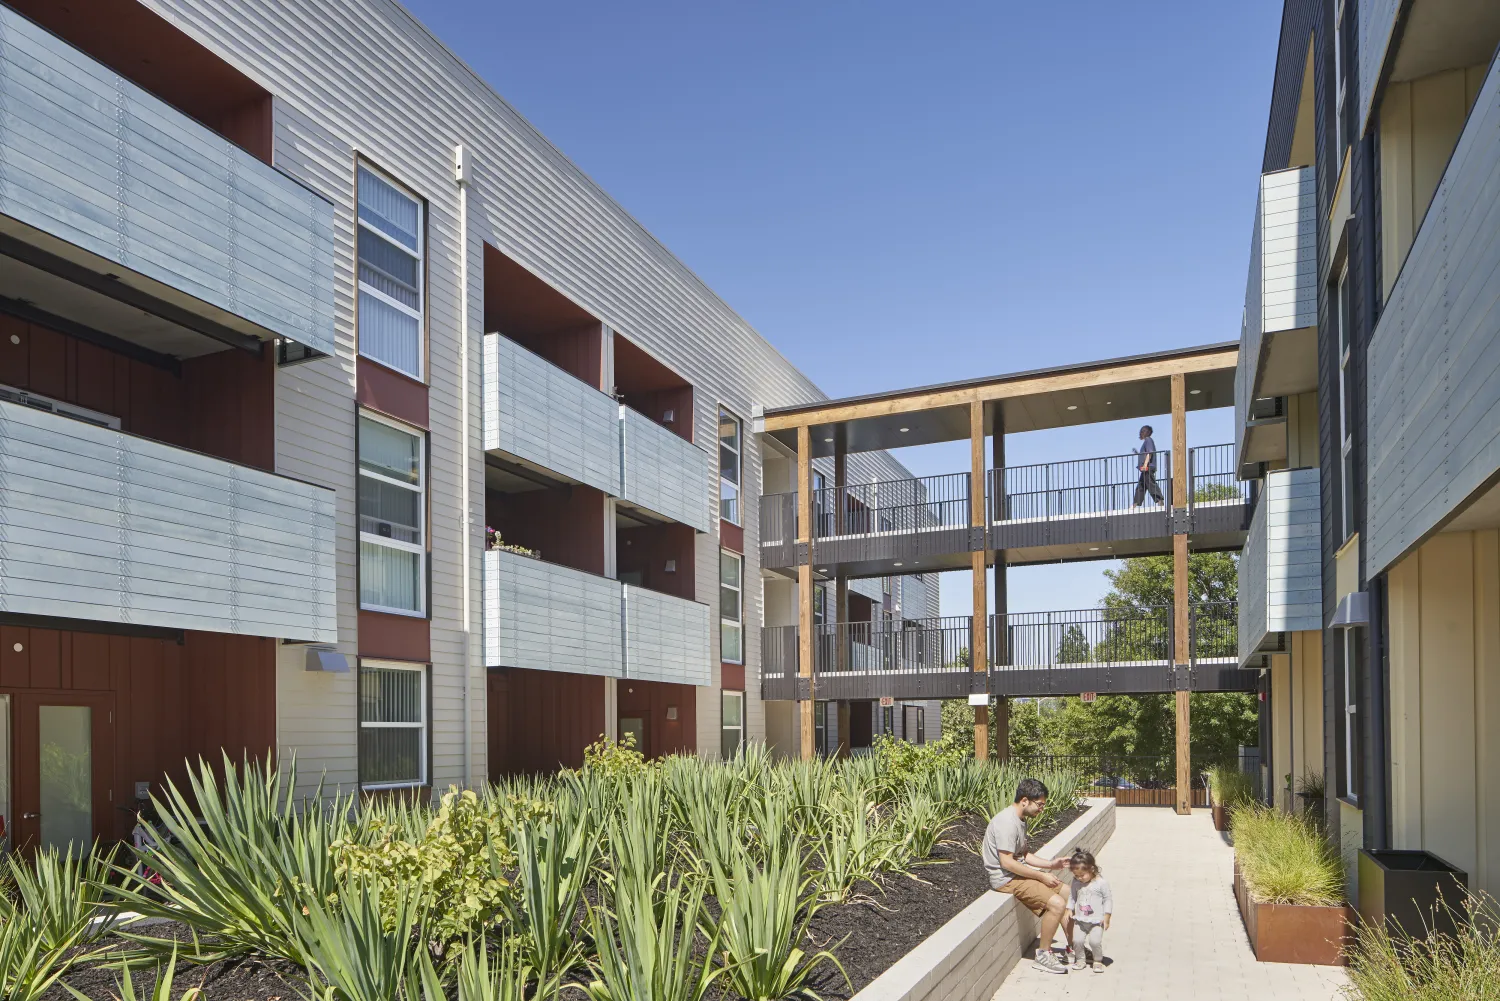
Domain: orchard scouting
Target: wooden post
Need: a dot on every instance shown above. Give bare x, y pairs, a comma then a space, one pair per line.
1181, 592
995, 508
843, 724
805, 587
841, 584
979, 631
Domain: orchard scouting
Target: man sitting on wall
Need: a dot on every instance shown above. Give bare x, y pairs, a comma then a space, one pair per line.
1027, 877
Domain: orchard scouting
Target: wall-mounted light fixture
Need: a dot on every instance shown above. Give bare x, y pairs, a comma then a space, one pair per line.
671, 566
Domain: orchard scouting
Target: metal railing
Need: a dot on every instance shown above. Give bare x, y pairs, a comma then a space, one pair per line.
1212, 476
892, 506
1082, 638
910, 646
1215, 630
1051, 490
1130, 779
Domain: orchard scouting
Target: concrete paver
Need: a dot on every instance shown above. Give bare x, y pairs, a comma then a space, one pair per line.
1177, 932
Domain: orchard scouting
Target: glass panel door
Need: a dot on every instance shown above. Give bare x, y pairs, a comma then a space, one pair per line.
67, 776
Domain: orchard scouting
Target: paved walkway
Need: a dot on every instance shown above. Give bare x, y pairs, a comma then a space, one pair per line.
1176, 931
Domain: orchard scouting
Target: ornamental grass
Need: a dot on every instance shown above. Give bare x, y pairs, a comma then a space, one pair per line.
1286, 858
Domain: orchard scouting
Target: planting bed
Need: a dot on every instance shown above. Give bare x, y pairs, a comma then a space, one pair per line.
877, 927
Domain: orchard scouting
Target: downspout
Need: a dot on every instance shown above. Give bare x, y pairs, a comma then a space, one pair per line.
461, 176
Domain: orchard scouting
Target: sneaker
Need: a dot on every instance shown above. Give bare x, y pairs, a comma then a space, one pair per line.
1070, 957
1078, 962
1047, 962
1098, 966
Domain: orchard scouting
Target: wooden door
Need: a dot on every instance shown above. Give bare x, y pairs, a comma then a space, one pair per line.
61, 762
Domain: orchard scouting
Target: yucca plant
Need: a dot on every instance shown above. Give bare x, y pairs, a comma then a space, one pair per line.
28, 967
242, 871
61, 893
555, 864
161, 987
648, 943
851, 849
765, 914
354, 950
1285, 859
920, 821
480, 976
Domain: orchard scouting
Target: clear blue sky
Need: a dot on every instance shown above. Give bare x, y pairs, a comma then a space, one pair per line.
888, 191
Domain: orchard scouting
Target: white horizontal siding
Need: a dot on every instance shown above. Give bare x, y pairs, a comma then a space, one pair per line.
103, 525
547, 617
663, 473
537, 412
666, 638
94, 160
1377, 19
1280, 574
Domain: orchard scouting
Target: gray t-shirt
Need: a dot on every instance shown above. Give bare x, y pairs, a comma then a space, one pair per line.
1006, 833
1089, 902
1148, 454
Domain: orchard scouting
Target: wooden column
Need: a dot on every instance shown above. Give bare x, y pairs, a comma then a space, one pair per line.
979, 633
1181, 590
843, 726
805, 587
841, 583
1001, 652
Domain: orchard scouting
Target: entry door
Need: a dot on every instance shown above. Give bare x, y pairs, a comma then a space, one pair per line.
60, 755
636, 727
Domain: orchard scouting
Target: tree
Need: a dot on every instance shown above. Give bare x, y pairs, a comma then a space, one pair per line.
1074, 647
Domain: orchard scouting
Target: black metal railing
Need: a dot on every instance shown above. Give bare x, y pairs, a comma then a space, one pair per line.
1081, 638
1131, 779
778, 519
1215, 630
1211, 470
909, 646
1050, 490
892, 506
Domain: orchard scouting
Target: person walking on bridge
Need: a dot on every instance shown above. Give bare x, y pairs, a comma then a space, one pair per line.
1147, 468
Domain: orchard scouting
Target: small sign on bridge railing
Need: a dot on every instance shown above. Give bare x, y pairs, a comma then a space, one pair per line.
887, 700
1088, 696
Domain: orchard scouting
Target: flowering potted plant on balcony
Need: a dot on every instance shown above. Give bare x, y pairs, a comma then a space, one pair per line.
1289, 883
492, 540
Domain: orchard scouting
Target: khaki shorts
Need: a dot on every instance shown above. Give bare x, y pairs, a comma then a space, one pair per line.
1034, 894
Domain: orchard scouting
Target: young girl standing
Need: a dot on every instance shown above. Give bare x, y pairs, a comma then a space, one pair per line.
1090, 905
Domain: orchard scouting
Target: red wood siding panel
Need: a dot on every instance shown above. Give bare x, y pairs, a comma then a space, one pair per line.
231, 406
532, 313
732, 536
394, 637
732, 677
565, 525
647, 550
391, 393
540, 721
174, 703
648, 386
650, 701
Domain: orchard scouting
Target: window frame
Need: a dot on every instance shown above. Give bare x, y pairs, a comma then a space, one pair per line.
424, 725
737, 501
420, 548
739, 588
1351, 719
724, 728
1341, 87
360, 288
1342, 316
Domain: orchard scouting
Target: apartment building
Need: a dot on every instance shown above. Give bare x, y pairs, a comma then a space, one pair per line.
343, 417
1366, 408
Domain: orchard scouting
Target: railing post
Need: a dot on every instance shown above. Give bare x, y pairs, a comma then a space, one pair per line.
979, 634
805, 589
1181, 592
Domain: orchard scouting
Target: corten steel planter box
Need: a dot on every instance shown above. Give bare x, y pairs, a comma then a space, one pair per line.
1294, 933
1402, 888
1221, 818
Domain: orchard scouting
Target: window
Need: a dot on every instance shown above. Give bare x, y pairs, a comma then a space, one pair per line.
729, 467
1341, 128
1346, 408
820, 604
731, 610
913, 724
392, 516
820, 728
733, 732
888, 720
1351, 724
390, 246
392, 724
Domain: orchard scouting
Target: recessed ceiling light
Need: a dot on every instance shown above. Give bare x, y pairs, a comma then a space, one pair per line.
1073, 406
1093, 549
828, 439
904, 430
1109, 403
1194, 392
898, 564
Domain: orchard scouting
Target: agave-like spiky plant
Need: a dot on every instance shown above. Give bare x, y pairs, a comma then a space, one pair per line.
363, 947
648, 943
161, 988
556, 860
59, 894
28, 967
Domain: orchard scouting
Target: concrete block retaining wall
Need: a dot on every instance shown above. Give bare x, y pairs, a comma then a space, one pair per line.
969, 957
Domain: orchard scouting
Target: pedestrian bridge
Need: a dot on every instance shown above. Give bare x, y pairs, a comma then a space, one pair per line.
1126, 650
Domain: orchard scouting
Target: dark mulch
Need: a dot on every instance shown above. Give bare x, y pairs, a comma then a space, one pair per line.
900, 914
868, 934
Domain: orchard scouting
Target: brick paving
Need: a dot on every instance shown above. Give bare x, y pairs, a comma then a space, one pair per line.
1176, 931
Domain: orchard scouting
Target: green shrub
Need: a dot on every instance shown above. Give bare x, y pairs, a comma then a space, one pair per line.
614, 759
1396, 967
1285, 859
1230, 787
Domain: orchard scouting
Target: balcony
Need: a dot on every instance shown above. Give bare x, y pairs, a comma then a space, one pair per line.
1278, 343
1281, 582
664, 475
547, 617
548, 419
666, 638
1044, 653
1082, 509
111, 188
106, 526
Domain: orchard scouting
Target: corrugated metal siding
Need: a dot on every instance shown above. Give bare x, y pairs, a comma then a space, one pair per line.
1299, 18
538, 412
663, 473
103, 525
1377, 18
666, 638
96, 161
1434, 359
1280, 569
547, 617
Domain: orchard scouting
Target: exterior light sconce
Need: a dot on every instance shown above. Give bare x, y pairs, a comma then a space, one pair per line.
671, 712
671, 566
669, 416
